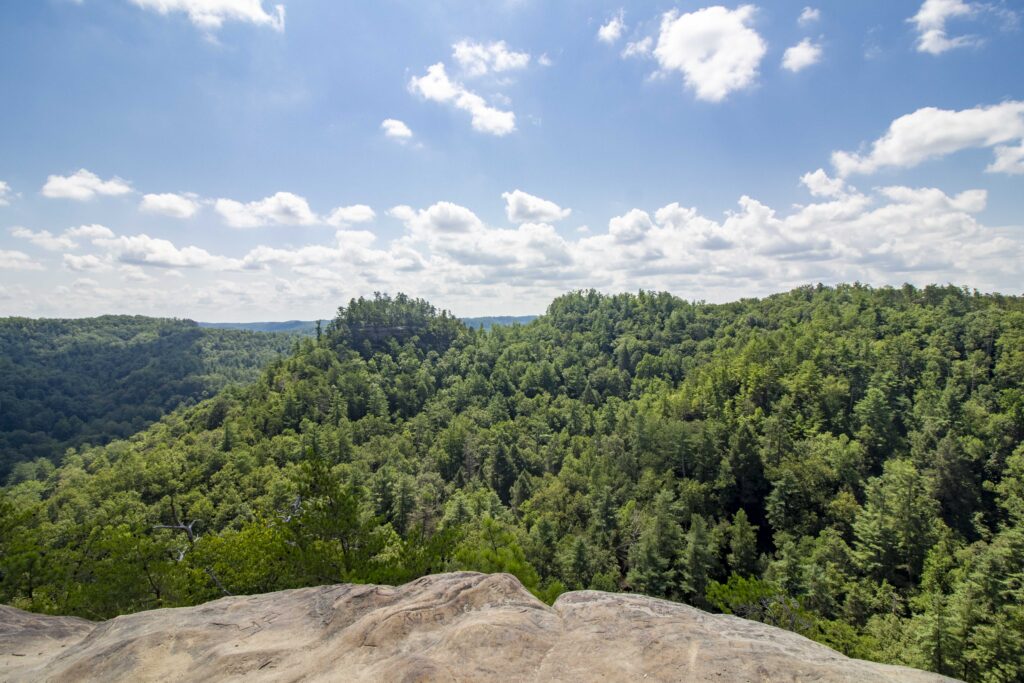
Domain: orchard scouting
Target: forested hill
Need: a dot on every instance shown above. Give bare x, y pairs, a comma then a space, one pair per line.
64, 383
843, 462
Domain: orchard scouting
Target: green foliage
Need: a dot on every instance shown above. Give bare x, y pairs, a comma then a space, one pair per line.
844, 462
67, 383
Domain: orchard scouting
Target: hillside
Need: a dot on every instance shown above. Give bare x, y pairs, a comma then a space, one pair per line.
66, 383
842, 462
450, 627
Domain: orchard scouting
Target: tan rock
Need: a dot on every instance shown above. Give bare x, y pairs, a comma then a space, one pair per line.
448, 627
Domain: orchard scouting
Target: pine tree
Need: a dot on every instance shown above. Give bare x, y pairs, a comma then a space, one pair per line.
698, 561
654, 559
742, 545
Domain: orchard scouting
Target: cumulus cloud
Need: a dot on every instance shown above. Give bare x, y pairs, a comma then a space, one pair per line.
210, 15
66, 240
393, 128
452, 242
17, 260
611, 31
90, 232
143, 250
438, 87
891, 235
630, 228
5, 194
170, 204
808, 16
930, 133
348, 215
521, 207
86, 262
444, 218
44, 239
479, 59
1009, 159
931, 20
714, 48
283, 208
83, 185
819, 184
802, 55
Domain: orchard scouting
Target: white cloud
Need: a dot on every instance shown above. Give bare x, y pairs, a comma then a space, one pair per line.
283, 208
819, 184
808, 16
452, 242
5, 194
16, 260
1008, 160
639, 48
44, 239
134, 273
448, 254
90, 232
87, 262
631, 227
347, 215
714, 48
143, 250
930, 22
443, 218
612, 30
169, 204
479, 59
521, 207
66, 240
930, 133
210, 15
393, 128
437, 86
802, 55
83, 185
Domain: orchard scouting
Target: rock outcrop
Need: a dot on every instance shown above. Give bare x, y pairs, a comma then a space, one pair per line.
448, 627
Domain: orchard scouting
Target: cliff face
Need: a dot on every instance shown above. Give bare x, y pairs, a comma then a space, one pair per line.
448, 627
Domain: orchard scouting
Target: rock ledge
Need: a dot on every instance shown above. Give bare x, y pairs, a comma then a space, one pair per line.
448, 627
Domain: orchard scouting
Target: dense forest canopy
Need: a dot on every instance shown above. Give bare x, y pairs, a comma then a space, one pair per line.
66, 383
845, 462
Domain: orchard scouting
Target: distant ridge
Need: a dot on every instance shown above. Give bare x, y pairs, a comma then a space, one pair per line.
308, 326
302, 326
487, 322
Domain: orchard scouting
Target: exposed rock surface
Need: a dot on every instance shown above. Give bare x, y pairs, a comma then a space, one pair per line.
448, 627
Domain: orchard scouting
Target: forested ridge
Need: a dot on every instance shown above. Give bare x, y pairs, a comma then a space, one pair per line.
66, 383
845, 462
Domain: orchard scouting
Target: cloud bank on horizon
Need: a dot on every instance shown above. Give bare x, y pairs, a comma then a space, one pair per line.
917, 195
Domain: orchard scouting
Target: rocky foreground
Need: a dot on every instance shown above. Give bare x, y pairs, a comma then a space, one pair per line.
448, 627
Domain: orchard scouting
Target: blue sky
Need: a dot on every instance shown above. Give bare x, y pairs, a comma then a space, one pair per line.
229, 160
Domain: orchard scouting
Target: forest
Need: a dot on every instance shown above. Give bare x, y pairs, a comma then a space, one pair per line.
845, 462
68, 383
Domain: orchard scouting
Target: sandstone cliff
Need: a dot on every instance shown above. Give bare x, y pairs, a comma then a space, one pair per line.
449, 627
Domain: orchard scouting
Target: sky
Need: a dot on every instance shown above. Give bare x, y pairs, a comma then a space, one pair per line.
238, 160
